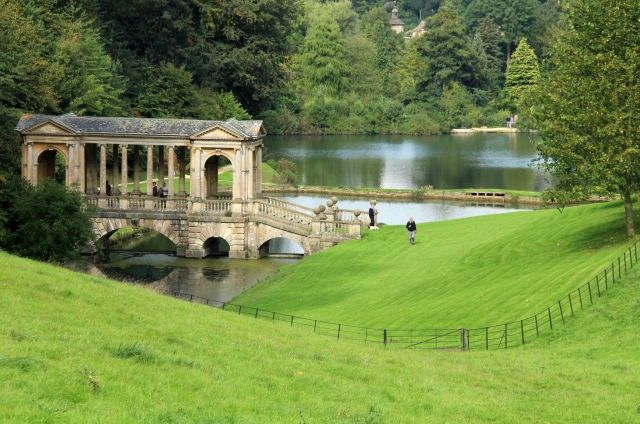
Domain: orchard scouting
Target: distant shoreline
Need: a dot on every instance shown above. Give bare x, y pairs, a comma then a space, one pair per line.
485, 196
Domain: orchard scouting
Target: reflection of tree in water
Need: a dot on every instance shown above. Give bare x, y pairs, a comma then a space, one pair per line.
139, 273
213, 274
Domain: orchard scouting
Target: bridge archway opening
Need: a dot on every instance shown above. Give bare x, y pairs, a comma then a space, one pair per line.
136, 239
282, 247
216, 246
52, 164
212, 181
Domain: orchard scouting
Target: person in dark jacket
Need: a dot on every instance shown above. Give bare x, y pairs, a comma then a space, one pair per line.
371, 217
411, 228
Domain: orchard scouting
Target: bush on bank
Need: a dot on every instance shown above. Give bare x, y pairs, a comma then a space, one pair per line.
46, 222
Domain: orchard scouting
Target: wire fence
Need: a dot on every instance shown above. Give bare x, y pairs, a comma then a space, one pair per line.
501, 336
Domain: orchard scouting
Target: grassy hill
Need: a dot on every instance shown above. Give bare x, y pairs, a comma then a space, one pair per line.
78, 349
461, 273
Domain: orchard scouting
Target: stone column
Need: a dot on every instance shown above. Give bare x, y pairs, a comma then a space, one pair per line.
125, 170
171, 170
149, 170
116, 170
195, 171
236, 189
30, 163
182, 192
160, 166
81, 167
103, 169
136, 170
251, 174
259, 176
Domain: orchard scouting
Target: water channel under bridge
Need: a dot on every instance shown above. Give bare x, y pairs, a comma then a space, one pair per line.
248, 227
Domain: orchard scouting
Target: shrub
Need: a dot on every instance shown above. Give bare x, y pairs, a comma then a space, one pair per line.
46, 222
287, 172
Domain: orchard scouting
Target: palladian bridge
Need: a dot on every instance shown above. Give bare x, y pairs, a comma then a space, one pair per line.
196, 221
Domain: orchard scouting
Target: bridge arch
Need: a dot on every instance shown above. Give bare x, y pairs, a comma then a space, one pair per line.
107, 226
279, 245
46, 160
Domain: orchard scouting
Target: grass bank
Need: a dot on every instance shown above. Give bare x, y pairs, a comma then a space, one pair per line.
461, 273
79, 349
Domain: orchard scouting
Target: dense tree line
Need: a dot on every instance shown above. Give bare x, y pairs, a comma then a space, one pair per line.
306, 66
352, 74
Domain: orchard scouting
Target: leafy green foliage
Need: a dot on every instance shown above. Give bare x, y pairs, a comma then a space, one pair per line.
47, 222
522, 74
514, 17
586, 106
322, 60
87, 80
287, 172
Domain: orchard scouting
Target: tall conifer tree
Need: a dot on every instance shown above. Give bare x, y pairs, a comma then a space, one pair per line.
523, 72
322, 59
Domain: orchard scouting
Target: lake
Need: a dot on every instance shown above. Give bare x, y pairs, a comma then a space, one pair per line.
497, 161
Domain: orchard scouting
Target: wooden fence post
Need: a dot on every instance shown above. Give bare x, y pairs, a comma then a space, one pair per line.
550, 324
570, 304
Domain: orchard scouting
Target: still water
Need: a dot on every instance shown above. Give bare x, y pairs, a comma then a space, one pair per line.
212, 278
498, 161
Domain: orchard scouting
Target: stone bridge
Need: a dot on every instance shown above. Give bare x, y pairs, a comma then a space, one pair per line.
247, 231
85, 152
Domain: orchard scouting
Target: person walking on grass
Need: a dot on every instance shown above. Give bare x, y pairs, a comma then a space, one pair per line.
411, 228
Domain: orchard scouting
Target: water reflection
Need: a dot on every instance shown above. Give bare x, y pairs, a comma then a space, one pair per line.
499, 161
213, 278
397, 211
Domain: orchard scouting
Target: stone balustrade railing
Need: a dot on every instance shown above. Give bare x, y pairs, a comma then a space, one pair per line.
278, 211
218, 207
288, 205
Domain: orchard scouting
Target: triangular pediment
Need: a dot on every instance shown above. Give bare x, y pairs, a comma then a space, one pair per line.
48, 127
218, 132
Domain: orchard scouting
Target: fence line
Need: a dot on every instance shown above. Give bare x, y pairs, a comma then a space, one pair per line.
499, 336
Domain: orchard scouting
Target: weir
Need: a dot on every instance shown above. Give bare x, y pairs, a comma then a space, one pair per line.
243, 217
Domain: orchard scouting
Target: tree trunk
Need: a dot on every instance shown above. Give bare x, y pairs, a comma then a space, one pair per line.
628, 210
508, 54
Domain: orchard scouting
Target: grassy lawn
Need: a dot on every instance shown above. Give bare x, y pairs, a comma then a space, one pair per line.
461, 273
79, 349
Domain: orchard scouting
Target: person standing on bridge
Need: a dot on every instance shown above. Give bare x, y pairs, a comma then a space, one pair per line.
164, 190
411, 228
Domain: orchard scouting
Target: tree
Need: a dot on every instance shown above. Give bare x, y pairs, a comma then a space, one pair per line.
169, 95
45, 222
322, 59
587, 106
514, 17
489, 36
522, 74
88, 80
446, 54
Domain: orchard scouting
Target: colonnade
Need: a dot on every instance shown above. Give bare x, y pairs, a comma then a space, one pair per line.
86, 166
120, 170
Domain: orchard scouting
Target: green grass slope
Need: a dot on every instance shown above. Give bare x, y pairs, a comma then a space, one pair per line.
78, 349
461, 273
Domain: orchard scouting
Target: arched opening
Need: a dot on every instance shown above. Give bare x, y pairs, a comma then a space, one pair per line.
136, 239
52, 164
216, 246
281, 247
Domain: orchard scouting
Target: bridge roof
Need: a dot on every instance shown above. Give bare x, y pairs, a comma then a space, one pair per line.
139, 126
